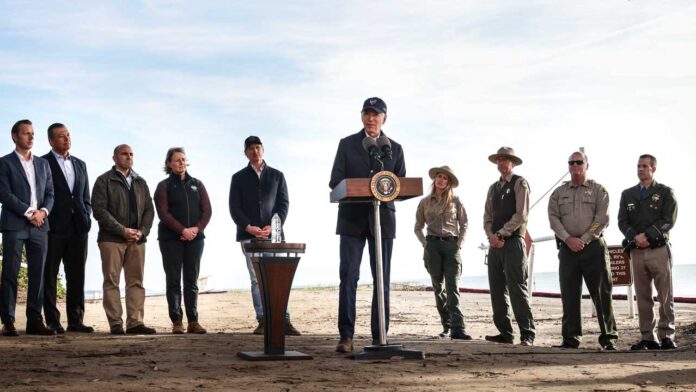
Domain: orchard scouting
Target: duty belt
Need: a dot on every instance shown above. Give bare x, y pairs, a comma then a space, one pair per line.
445, 239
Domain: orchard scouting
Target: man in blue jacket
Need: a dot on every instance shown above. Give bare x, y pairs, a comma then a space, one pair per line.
26, 194
67, 240
257, 192
354, 220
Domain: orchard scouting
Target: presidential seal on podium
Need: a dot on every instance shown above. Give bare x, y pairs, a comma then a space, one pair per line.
385, 186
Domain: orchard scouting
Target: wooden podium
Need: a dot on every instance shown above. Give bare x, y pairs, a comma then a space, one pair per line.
358, 190
275, 265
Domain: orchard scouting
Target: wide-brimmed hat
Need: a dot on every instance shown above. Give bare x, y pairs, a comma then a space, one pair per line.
444, 169
506, 152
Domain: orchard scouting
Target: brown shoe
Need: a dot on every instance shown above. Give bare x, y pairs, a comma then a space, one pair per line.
177, 327
194, 327
345, 346
290, 329
8, 329
38, 328
259, 328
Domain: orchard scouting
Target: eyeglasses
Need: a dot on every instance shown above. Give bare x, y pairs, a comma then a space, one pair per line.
578, 162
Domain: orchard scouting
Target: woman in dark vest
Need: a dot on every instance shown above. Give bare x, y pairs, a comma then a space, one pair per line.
446, 221
184, 211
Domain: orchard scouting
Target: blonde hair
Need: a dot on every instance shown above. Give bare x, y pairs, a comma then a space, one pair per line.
448, 193
170, 154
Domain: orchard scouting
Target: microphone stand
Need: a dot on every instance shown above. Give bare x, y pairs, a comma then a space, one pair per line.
382, 350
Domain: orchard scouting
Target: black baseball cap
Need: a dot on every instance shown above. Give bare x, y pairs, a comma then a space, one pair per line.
376, 104
251, 140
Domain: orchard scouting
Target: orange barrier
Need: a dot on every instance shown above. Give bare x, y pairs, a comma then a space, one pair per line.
685, 300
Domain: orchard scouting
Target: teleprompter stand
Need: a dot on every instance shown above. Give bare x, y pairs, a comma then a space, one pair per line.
357, 190
275, 265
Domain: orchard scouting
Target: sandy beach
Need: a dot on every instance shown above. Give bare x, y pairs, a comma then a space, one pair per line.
101, 362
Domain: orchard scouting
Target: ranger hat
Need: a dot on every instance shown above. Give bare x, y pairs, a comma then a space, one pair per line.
506, 152
376, 104
444, 169
251, 140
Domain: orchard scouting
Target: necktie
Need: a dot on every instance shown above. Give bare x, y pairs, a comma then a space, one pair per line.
643, 193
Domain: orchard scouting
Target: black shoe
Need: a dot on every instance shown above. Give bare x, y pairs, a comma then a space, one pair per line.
567, 344
668, 344
609, 347
527, 341
140, 330
445, 333
498, 339
59, 329
646, 345
8, 329
460, 335
40, 329
117, 330
80, 328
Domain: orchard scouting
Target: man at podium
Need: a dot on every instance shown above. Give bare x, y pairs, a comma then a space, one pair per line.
357, 159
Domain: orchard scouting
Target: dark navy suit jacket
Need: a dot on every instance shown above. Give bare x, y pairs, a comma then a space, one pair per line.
15, 194
253, 201
352, 161
70, 205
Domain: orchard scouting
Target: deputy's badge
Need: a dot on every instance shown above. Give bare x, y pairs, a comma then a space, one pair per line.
631, 207
655, 197
588, 193
385, 186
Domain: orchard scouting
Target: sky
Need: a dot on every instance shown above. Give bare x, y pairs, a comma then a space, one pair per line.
460, 78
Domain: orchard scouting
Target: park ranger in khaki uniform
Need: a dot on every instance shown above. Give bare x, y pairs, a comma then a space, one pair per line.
505, 224
646, 214
578, 215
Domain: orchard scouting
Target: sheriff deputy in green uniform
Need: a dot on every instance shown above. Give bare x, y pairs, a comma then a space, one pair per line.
505, 224
646, 214
578, 216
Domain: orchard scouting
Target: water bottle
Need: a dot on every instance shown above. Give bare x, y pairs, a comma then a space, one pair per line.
276, 227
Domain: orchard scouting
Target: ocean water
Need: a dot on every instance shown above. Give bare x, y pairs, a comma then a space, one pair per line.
683, 280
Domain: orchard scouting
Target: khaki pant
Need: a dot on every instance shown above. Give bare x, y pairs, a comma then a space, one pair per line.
130, 258
654, 266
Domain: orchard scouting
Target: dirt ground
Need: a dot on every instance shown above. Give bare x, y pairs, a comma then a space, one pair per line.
101, 362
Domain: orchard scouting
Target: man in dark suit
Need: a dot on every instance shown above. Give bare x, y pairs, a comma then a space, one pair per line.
355, 220
26, 194
257, 192
67, 239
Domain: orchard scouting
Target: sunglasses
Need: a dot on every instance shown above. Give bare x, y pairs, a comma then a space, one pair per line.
578, 162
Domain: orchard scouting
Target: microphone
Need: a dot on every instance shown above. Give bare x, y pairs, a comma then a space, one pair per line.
384, 145
370, 145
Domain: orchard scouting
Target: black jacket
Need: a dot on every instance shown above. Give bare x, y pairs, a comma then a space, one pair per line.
253, 201
352, 161
655, 215
181, 204
70, 209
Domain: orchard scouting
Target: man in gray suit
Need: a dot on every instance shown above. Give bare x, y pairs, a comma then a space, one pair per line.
26, 194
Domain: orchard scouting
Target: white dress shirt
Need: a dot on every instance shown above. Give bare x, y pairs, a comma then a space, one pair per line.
66, 165
28, 166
